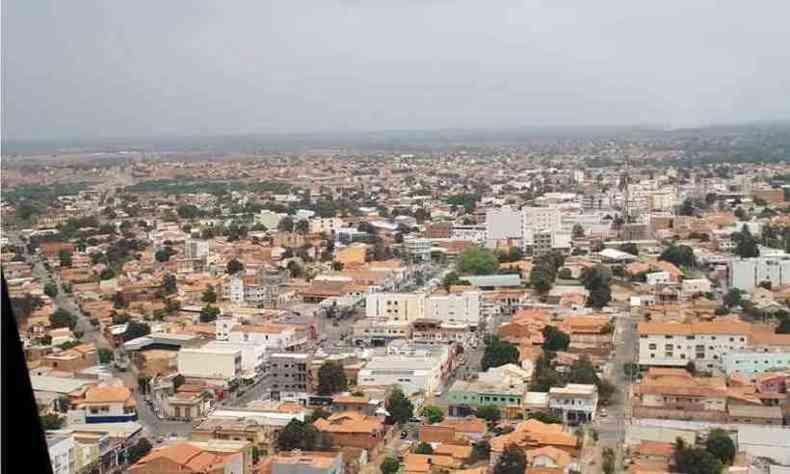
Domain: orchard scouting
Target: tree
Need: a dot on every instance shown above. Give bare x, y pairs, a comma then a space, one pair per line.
721, 445
597, 279
630, 370
679, 255
547, 418
554, 339
490, 413
302, 227
565, 274
318, 413
107, 274
286, 224
399, 407
178, 381
432, 413
498, 353
541, 278
136, 329
294, 269
423, 448
733, 298
162, 255
630, 247
51, 421
51, 289
139, 450
695, 460
511, 461
741, 214
687, 208
578, 231
746, 245
582, 371
65, 258
234, 266
481, 450
119, 301
209, 295
169, 284
143, 383
105, 355
608, 461
331, 378
477, 261
389, 465
62, 319
209, 313
298, 435
452, 279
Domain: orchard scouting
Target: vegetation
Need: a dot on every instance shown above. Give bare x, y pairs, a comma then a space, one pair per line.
62, 319
234, 266
498, 353
554, 339
511, 461
432, 413
745, 244
695, 460
139, 450
490, 413
608, 464
136, 329
51, 421
720, 444
477, 261
105, 355
547, 418
51, 289
597, 279
679, 255
544, 271
298, 435
423, 448
399, 407
390, 465
481, 450
210, 295
209, 313
331, 378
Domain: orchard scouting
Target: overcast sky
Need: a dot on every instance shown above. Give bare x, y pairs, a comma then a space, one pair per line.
116, 68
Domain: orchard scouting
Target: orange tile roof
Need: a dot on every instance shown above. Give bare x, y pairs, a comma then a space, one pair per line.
655, 448
107, 395
349, 422
533, 433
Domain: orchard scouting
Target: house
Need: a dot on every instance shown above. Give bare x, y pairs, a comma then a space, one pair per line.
574, 403
307, 462
533, 434
451, 430
72, 360
108, 404
210, 457
354, 429
252, 430
548, 457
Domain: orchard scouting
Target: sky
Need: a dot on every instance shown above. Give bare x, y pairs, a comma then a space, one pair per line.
99, 68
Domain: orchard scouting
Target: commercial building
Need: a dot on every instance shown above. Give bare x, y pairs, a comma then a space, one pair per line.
414, 369
395, 306
472, 233
463, 307
503, 223
222, 364
287, 376
108, 404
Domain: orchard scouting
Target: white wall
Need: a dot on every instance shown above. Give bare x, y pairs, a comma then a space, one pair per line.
213, 364
462, 308
395, 306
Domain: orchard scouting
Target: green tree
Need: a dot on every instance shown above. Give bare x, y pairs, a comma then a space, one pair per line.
608, 464
630, 247
331, 378
547, 418
498, 353
597, 280
389, 465
209, 313
105, 355
302, 227
477, 261
62, 319
210, 295
578, 231
298, 435
679, 255
746, 245
139, 450
107, 274
452, 279
432, 413
511, 461
490, 413
144, 383
399, 407
51, 421
554, 339
318, 413
582, 371
136, 329
481, 450
65, 258
51, 289
423, 448
720, 444
733, 298
695, 460
169, 284
630, 370
286, 224
234, 266
162, 255
119, 301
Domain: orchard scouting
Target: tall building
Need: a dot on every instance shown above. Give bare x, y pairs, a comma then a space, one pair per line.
503, 223
746, 274
395, 306
196, 248
539, 219
456, 308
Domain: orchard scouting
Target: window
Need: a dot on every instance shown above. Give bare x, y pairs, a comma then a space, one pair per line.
652, 347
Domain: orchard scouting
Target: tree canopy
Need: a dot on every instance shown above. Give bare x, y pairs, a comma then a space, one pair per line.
399, 407
555, 339
679, 255
432, 413
331, 378
511, 461
498, 352
298, 435
234, 266
477, 261
720, 444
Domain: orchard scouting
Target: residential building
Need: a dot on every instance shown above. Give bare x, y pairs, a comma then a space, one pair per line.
271, 337
204, 457
395, 306
463, 307
574, 403
703, 343
503, 223
465, 397
329, 225
353, 429
748, 273
539, 219
221, 364
108, 404
380, 331
418, 249
533, 434
264, 289
287, 376
61, 453
754, 361
196, 248
307, 462
470, 233
252, 355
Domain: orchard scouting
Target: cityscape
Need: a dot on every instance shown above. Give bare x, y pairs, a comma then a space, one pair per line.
413, 237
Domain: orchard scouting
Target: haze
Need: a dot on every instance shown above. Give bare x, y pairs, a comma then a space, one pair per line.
101, 68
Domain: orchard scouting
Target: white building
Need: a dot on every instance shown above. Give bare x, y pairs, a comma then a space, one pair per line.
536, 219
693, 286
655, 278
61, 453
270, 337
413, 371
503, 223
196, 248
269, 219
574, 403
252, 355
395, 306
474, 233
216, 364
464, 307
419, 249
703, 343
746, 274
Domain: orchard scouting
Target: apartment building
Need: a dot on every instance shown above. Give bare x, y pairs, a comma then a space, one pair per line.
329, 225
755, 361
746, 274
395, 306
287, 376
539, 219
456, 308
61, 453
471, 232
417, 248
262, 289
503, 223
703, 343
196, 248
